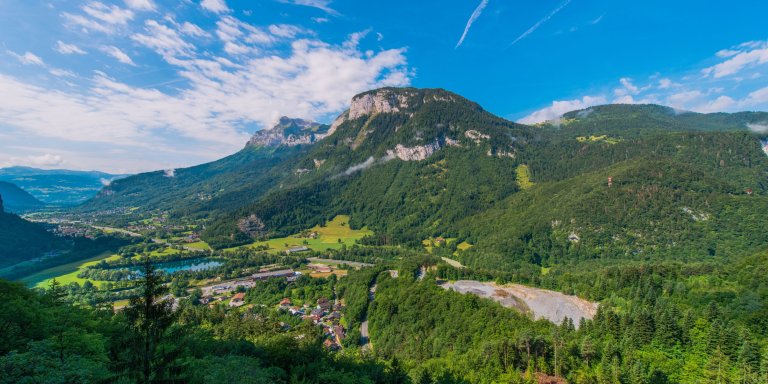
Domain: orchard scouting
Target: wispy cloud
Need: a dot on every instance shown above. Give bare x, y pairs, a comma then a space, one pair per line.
540, 22
68, 49
28, 58
475, 15
118, 54
324, 5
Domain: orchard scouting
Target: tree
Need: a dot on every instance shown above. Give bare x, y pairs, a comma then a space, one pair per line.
149, 317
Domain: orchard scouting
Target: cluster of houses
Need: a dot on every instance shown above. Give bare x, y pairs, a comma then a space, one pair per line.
325, 314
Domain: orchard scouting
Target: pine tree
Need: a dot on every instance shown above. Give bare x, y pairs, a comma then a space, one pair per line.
149, 317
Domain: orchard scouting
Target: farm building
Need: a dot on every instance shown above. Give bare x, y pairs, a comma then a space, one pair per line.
273, 274
237, 300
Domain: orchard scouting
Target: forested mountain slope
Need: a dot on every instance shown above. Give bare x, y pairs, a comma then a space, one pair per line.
17, 199
22, 240
418, 163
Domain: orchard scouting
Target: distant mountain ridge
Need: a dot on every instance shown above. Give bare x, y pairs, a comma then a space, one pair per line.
290, 132
58, 187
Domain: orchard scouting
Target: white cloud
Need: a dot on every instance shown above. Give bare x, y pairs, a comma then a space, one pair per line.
627, 83
761, 127
210, 113
46, 161
100, 17
68, 49
141, 5
163, 40
28, 58
118, 54
558, 108
324, 5
744, 56
190, 29
215, 6
320, 20
478, 11
62, 72
665, 83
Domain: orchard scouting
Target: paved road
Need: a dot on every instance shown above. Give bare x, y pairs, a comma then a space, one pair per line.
365, 337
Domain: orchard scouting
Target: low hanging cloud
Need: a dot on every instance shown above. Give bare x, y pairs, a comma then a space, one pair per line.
558, 108
45, 160
472, 18
761, 127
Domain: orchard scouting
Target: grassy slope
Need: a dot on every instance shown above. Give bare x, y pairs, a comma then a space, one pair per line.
328, 237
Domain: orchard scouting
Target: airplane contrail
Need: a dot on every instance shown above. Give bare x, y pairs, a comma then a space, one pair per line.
542, 21
471, 20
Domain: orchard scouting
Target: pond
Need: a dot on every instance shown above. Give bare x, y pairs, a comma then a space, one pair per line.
193, 265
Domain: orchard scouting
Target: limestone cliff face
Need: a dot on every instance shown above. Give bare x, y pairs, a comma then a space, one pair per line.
290, 132
380, 101
416, 153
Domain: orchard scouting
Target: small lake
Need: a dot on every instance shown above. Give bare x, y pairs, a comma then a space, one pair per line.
193, 265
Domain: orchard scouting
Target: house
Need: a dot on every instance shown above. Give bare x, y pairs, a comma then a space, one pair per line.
285, 303
296, 311
439, 241
338, 330
334, 316
296, 250
206, 299
237, 300
324, 304
316, 314
273, 274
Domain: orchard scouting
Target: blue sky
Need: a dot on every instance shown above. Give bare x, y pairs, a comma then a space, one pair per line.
136, 85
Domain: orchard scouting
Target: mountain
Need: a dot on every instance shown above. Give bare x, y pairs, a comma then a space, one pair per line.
418, 163
18, 200
219, 185
22, 240
58, 187
290, 132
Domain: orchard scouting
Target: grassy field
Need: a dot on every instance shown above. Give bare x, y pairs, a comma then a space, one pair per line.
331, 236
597, 139
66, 273
523, 176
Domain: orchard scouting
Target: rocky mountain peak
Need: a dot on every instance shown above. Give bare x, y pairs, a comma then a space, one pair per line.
290, 132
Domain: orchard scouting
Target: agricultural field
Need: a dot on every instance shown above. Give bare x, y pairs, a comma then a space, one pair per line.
333, 235
66, 273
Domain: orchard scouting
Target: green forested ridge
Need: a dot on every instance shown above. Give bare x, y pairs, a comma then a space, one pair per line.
18, 200
22, 240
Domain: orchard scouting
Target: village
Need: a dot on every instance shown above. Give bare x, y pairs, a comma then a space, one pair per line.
324, 313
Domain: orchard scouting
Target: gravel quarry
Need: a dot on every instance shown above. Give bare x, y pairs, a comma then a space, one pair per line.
539, 303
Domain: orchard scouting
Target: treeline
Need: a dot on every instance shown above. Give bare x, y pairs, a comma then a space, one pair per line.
46, 339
